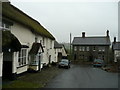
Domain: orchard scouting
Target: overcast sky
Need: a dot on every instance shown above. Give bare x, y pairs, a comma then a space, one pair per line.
65, 17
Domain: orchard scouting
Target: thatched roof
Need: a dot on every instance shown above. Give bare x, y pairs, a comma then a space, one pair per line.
9, 41
12, 13
35, 48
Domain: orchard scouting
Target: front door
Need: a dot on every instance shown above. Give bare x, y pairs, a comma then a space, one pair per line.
7, 65
49, 59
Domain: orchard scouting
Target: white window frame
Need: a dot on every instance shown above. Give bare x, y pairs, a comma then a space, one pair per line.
22, 57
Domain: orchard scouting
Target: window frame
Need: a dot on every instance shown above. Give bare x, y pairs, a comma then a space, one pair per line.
6, 26
22, 57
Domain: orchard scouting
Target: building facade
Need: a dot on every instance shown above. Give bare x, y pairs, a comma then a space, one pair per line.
89, 48
20, 34
116, 50
59, 51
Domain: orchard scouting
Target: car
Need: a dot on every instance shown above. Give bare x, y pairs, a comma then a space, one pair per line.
64, 63
98, 63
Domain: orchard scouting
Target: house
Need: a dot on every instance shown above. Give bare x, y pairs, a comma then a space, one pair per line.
88, 48
60, 51
116, 50
26, 43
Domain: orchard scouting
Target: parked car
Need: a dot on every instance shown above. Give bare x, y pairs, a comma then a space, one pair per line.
65, 63
98, 63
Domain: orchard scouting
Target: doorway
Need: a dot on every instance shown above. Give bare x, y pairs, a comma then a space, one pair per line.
7, 65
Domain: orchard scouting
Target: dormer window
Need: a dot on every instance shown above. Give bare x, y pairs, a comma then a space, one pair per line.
6, 26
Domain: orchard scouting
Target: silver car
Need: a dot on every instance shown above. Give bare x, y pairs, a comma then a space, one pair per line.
65, 63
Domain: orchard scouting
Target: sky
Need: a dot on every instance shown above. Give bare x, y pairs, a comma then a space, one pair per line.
62, 17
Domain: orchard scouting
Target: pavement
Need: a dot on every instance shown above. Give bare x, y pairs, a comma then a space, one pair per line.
84, 76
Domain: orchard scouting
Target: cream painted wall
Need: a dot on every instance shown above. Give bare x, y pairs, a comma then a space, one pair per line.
48, 49
22, 69
14, 63
59, 50
56, 51
64, 52
1, 63
24, 35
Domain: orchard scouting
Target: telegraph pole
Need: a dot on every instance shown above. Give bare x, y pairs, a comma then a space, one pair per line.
70, 46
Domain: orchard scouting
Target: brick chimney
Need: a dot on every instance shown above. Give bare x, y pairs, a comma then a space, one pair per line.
107, 33
83, 34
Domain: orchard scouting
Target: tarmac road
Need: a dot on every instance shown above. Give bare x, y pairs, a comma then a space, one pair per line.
84, 77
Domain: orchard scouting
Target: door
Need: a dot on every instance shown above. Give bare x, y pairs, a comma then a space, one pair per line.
7, 65
49, 59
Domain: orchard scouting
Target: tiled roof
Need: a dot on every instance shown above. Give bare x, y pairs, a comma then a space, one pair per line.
91, 41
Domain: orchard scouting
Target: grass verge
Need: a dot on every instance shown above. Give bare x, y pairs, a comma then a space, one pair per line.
34, 80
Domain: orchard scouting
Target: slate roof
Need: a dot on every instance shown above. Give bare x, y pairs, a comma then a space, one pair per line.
35, 48
14, 14
91, 41
57, 45
116, 46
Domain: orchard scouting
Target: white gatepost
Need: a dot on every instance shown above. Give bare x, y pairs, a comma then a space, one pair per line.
14, 64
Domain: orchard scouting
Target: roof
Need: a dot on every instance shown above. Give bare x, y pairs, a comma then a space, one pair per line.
91, 41
12, 13
9, 41
35, 48
116, 45
57, 45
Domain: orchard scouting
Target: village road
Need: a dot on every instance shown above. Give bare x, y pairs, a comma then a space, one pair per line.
84, 77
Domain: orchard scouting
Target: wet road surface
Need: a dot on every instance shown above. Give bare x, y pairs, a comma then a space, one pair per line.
84, 77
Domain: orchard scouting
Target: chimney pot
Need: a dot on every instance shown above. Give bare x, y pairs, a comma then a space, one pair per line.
107, 33
83, 34
114, 39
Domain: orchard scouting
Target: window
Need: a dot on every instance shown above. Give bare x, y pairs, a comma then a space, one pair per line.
83, 48
80, 48
22, 57
75, 48
101, 49
5, 26
94, 48
87, 48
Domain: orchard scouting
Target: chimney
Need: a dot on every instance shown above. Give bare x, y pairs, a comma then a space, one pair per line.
114, 39
83, 34
107, 33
